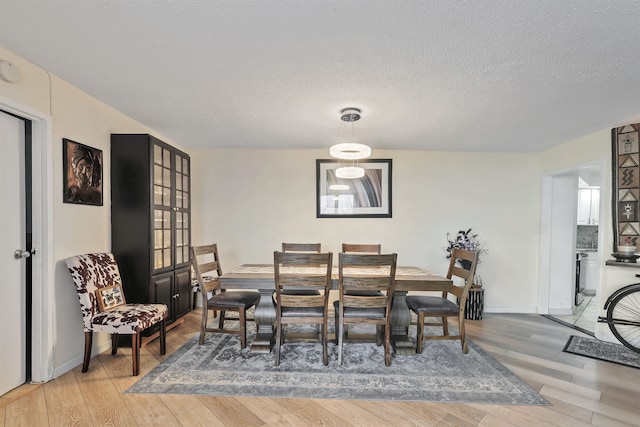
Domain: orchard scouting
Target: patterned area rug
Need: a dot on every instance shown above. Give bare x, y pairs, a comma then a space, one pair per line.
602, 350
442, 373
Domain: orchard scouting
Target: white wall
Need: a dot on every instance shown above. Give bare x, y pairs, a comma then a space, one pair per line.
75, 228
250, 201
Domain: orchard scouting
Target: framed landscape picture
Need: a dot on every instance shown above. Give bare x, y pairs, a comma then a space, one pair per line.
365, 197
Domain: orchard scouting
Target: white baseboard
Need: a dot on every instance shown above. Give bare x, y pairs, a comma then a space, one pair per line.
561, 311
77, 361
511, 310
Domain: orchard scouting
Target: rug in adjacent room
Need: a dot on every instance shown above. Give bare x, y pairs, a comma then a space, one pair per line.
602, 350
442, 373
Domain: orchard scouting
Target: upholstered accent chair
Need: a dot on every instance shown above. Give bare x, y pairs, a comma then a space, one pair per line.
441, 307
92, 272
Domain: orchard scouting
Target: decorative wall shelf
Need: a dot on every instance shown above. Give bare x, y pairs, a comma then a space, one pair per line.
615, 263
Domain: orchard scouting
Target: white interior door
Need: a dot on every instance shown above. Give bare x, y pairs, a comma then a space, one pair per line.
12, 230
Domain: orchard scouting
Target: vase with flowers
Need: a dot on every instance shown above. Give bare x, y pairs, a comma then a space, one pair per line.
466, 239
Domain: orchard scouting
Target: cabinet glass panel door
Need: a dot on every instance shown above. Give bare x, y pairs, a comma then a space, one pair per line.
182, 209
162, 191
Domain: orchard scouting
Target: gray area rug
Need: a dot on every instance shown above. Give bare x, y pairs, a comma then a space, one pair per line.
442, 373
602, 350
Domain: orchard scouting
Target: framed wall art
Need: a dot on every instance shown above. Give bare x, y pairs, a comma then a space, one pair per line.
110, 297
366, 197
625, 144
82, 173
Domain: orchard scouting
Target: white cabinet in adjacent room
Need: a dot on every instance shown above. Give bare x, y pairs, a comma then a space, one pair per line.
588, 206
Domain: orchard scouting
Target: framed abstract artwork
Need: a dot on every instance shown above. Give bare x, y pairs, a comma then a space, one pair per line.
365, 197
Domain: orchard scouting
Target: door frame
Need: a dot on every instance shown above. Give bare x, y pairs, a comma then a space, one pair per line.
42, 264
557, 253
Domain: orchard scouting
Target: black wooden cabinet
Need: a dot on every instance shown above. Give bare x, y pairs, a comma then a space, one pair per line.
150, 221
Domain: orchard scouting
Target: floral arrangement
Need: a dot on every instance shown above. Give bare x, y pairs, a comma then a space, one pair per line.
464, 240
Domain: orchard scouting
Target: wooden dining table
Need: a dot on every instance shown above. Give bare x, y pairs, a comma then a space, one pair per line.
261, 278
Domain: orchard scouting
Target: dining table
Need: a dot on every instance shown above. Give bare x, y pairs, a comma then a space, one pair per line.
260, 277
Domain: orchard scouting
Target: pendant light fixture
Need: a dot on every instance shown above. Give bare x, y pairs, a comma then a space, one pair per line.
351, 150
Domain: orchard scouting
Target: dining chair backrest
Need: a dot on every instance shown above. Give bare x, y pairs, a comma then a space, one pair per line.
301, 247
462, 265
362, 248
205, 262
302, 271
365, 272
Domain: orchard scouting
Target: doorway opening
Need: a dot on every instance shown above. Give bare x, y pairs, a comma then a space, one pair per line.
575, 252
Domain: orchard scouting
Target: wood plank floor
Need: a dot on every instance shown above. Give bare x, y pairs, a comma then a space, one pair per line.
582, 391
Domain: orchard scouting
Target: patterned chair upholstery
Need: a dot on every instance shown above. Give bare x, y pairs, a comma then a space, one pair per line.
94, 271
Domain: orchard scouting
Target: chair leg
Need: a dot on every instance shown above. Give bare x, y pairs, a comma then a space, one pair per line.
278, 342
135, 353
203, 324
340, 339
163, 337
463, 339
445, 326
242, 314
379, 333
88, 340
325, 350
221, 320
114, 343
420, 334
336, 322
387, 345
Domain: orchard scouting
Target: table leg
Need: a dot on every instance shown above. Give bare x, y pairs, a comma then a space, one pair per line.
265, 316
400, 321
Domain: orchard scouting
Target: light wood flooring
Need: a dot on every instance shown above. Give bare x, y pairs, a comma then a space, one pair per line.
582, 391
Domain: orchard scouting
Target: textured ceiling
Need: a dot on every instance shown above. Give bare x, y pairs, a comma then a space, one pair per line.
484, 75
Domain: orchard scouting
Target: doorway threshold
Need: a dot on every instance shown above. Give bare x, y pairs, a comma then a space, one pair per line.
569, 325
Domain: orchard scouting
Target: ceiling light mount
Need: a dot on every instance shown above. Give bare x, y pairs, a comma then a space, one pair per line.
350, 115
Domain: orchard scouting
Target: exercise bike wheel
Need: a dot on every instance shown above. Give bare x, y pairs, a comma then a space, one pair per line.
623, 317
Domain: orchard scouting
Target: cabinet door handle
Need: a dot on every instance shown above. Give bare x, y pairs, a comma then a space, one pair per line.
176, 296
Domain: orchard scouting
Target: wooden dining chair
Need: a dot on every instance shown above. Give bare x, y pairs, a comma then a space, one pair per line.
206, 265
441, 307
302, 271
369, 273
366, 248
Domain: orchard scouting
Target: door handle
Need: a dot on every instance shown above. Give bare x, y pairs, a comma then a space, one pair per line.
19, 253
